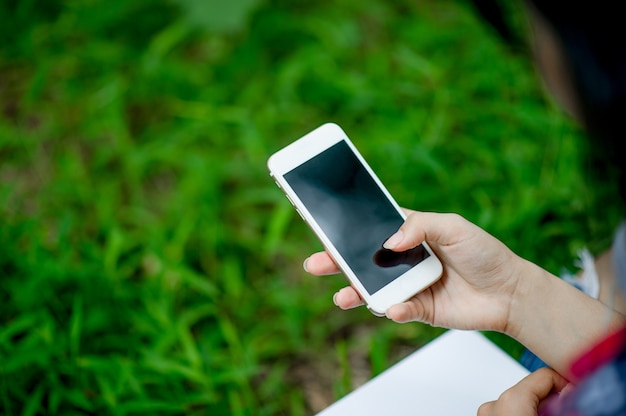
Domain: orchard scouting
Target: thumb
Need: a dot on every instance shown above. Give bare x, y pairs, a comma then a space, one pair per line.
435, 228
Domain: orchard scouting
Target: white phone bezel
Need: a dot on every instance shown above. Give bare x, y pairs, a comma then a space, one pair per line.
399, 290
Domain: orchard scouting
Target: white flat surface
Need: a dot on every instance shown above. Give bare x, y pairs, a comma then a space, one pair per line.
452, 375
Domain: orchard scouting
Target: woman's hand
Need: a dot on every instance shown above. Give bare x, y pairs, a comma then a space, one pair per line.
485, 286
480, 274
525, 398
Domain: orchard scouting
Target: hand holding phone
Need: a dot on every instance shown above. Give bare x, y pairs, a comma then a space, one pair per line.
336, 192
480, 282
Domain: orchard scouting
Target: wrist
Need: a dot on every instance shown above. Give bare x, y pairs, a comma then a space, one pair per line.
554, 319
531, 284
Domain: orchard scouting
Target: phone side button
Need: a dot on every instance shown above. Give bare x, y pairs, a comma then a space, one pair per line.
300, 214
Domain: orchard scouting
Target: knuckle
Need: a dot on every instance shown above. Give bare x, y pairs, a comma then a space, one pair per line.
455, 218
484, 409
507, 396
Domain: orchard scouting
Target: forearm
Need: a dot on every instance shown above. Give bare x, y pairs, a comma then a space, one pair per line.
555, 320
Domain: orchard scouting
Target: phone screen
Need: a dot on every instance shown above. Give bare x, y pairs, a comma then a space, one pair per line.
354, 213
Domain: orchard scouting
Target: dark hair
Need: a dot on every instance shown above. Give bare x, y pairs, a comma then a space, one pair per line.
593, 37
594, 42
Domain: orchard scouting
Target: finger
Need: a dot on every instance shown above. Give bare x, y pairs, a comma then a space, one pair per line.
320, 264
542, 383
523, 399
347, 298
409, 311
440, 229
407, 211
399, 313
487, 409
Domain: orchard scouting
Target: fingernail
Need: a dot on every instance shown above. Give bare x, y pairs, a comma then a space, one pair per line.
335, 299
566, 389
393, 241
304, 264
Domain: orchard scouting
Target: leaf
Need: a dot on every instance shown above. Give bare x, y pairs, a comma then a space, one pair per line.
198, 282
217, 15
115, 243
163, 366
33, 403
277, 227
76, 325
148, 406
19, 325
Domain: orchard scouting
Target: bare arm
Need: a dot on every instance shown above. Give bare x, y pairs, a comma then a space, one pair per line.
555, 320
485, 286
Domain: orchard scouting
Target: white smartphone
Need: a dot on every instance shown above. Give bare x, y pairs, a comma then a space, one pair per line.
338, 195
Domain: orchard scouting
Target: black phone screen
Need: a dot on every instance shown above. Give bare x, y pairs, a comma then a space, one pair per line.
354, 213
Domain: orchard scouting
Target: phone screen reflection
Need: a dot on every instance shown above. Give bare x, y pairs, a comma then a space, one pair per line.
354, 213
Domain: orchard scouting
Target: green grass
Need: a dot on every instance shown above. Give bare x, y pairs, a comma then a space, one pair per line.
148, 263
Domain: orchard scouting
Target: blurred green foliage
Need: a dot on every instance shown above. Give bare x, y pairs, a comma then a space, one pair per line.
148, 263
